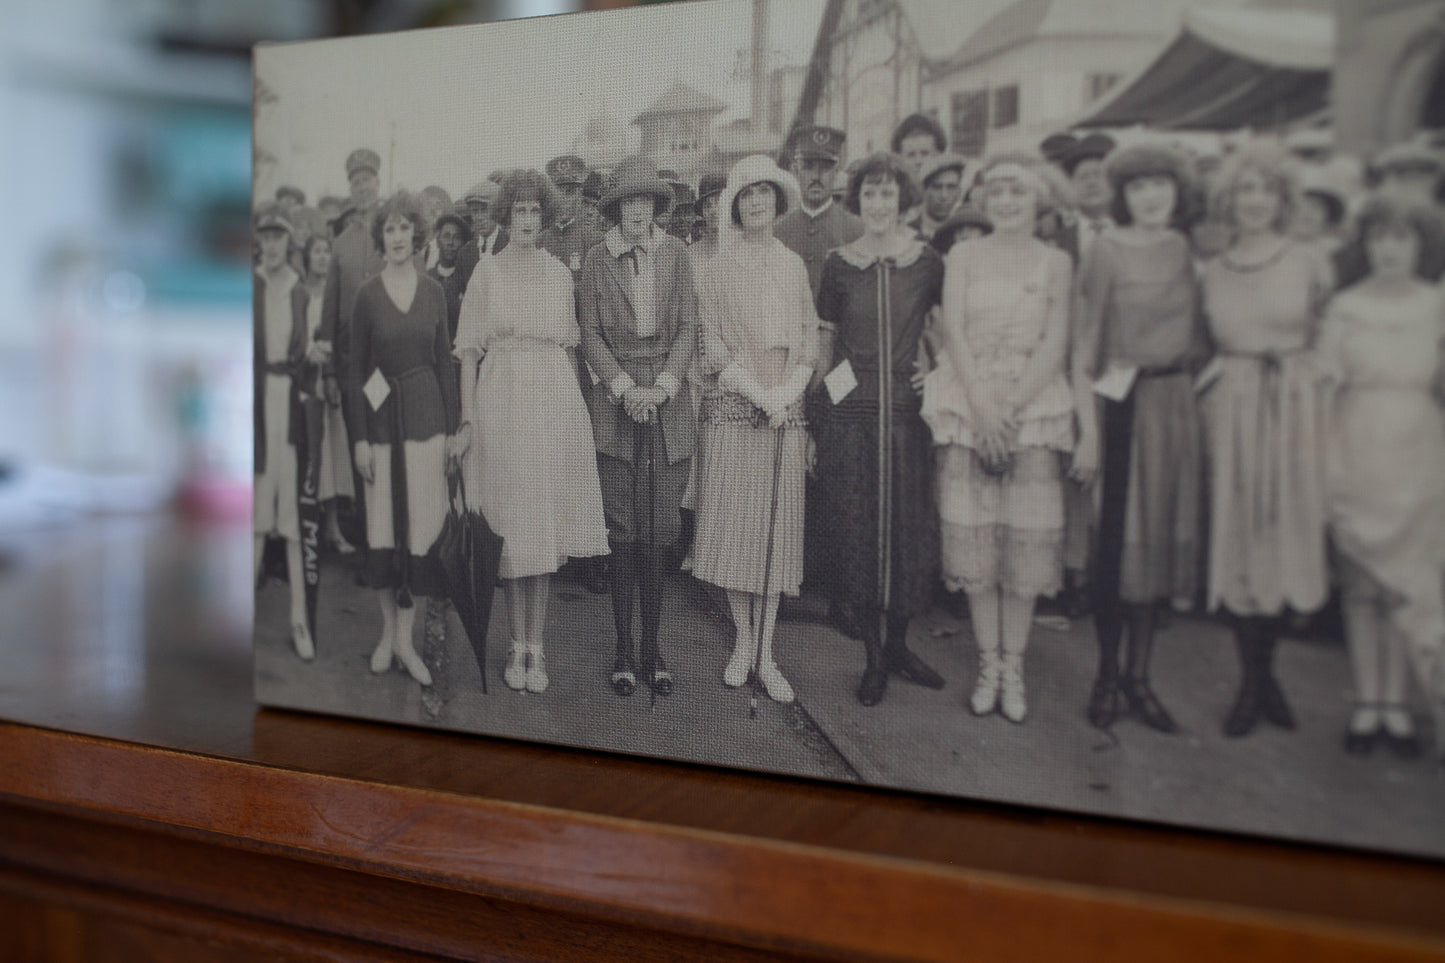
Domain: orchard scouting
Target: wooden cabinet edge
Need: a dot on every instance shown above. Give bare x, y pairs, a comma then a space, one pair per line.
754, 891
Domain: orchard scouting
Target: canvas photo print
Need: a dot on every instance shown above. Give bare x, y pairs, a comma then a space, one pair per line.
1017, 400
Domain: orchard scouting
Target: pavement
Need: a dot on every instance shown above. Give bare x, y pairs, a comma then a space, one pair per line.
1298, 785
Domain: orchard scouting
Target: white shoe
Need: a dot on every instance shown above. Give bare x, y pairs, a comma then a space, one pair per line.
985, 691
772, 679
536, 673
414, 666
1011, 702
301, 639
381, 657
740, 664
516, 674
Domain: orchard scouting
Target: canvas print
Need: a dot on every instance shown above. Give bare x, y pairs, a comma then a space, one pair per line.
1018, 400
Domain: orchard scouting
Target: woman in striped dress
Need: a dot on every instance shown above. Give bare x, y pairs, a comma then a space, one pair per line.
759, 336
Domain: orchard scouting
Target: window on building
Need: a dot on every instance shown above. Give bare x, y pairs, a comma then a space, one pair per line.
1096, 85
1006, 106
968, 116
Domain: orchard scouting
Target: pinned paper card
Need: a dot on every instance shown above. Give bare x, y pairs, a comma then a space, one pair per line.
376, 389
1116, 382
840, 382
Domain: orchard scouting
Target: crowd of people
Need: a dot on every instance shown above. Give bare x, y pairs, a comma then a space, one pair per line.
1131, 379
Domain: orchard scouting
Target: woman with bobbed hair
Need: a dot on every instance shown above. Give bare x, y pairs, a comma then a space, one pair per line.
1381, 349
1002, 415
404, 406
874, 470
759, 337
530, 465
1263, 417
1140, 321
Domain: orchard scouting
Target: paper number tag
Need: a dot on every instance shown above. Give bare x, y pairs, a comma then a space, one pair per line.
376, 389
840, 382
1116, 382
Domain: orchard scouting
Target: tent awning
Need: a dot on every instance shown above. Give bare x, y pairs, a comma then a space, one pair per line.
1230, 68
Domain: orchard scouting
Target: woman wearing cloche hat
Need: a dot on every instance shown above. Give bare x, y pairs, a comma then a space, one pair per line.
759, 336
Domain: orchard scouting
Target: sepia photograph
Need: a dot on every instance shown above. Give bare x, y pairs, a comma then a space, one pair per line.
1032, 402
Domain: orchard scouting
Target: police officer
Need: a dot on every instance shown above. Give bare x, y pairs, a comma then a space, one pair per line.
817, 225
569, 237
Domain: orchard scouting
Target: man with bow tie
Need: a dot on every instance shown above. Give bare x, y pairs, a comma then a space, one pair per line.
638, 314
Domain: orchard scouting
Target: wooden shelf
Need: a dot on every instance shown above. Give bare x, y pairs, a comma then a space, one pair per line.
170, 819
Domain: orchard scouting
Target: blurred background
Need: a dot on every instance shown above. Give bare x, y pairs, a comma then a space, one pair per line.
125, 268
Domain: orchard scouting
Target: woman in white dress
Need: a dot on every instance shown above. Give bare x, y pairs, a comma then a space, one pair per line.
759, 334
1002, 414
1381, 349
531, 465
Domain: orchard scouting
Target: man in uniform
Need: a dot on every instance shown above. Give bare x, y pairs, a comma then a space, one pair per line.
592, 190
818, 225
354, 259
569, 238
942, 182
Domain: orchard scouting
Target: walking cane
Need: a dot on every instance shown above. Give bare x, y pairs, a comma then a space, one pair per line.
767, 572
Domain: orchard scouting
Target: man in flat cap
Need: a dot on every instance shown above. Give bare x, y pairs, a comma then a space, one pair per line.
818, 225
942, 183
487, 236
354, 258
638, 314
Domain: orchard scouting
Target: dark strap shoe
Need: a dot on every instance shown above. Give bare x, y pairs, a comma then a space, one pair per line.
1144, 704
906, 663
1105, 702
1273, 705
874, 684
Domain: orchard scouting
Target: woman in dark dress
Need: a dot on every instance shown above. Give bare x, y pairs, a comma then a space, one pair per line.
874, 465
1140, 314
404, 396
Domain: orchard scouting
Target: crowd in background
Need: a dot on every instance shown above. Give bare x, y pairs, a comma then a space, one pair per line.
1121, 374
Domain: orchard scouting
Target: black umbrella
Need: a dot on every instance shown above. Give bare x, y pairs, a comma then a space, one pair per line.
468, 555
308, 478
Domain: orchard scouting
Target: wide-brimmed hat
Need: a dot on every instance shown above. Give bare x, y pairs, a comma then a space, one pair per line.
756, 169
634, 176
1056, 147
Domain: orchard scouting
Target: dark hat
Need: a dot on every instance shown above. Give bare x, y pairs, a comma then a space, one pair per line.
1148, 159
709, 185
1092, 147
1056, 147
459, 221
943, 162
362, 158
918, 124
1333, 202
967, 215
288, 190
567, 169
269, 217
594, 186
816, 141
681, 193
332, 200
636, 175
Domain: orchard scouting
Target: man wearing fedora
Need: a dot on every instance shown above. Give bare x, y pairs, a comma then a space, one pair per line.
1083, 164
638, 314
487, 236
818, 225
